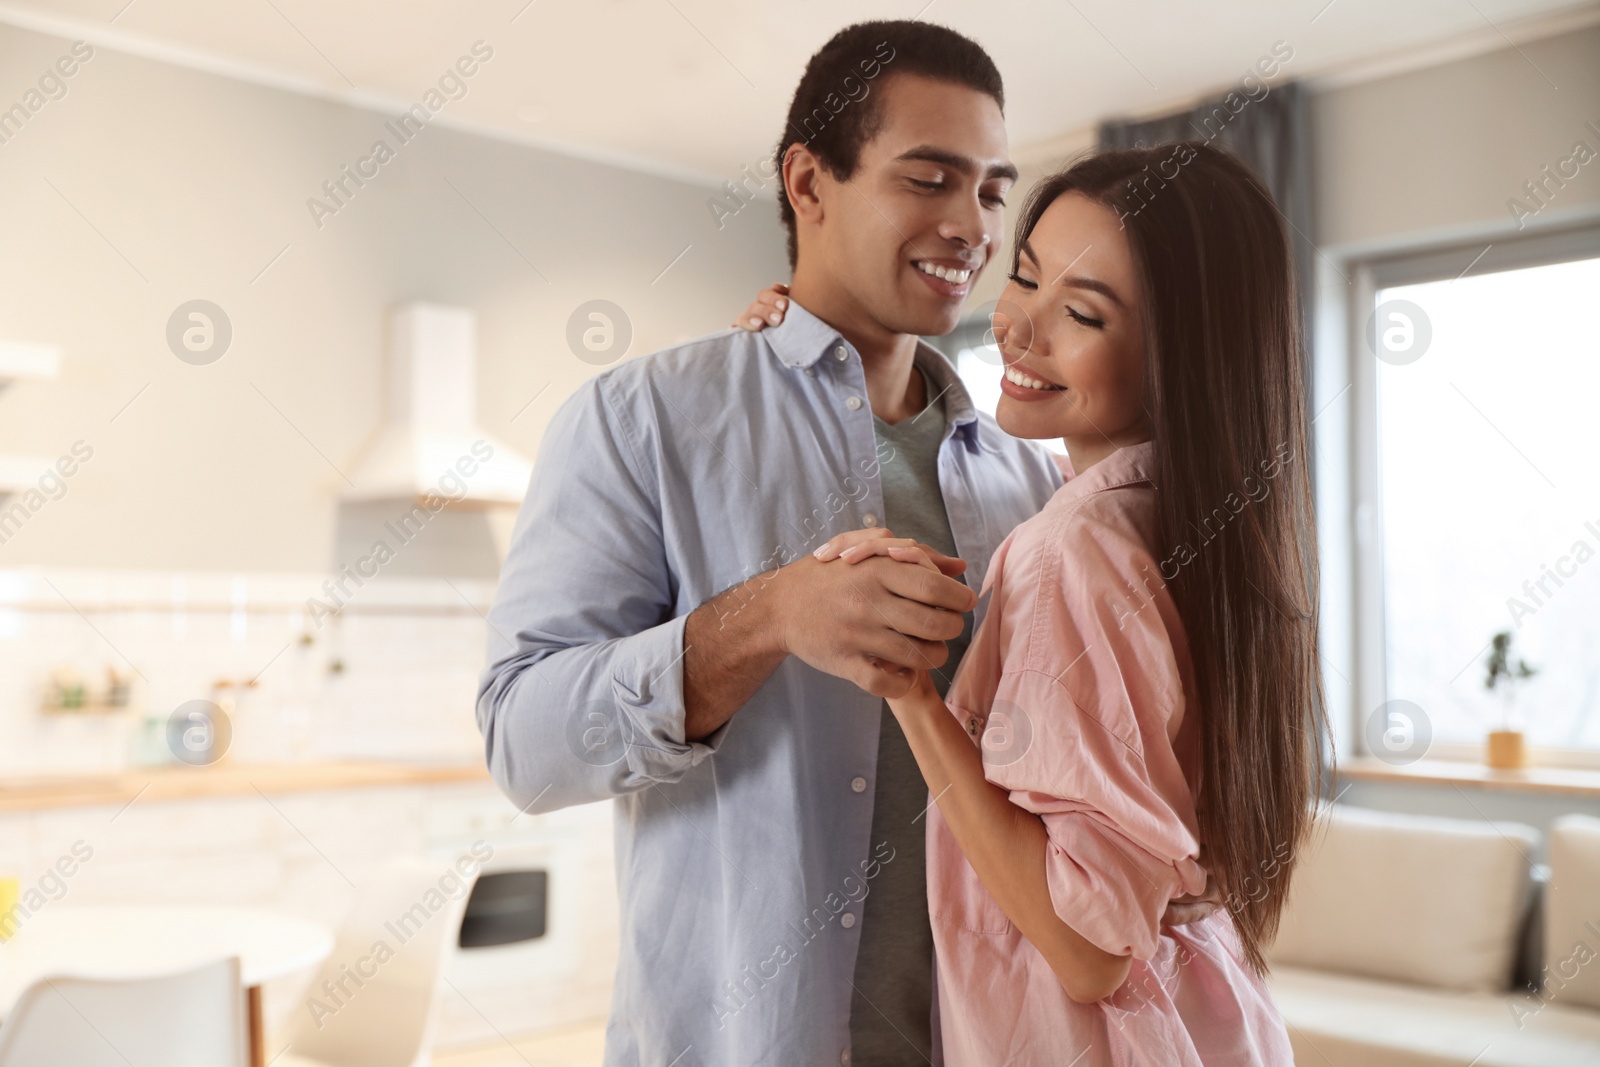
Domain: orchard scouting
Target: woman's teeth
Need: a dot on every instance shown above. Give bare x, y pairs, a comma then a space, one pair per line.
949, 274
1016, 377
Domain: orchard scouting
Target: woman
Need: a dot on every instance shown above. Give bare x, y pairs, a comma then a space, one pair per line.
1146, 676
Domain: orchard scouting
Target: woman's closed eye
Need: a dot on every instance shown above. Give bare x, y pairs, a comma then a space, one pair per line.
1078, 316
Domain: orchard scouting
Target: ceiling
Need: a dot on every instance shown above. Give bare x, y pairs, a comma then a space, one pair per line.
698, 88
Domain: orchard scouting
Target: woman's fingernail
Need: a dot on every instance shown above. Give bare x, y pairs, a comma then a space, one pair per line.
782, 303
820, 551
755, 321
774, 318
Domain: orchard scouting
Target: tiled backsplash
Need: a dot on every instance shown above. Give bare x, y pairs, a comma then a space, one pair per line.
391, 676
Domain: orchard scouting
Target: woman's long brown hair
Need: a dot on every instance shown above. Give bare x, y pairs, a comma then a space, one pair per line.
1236, 536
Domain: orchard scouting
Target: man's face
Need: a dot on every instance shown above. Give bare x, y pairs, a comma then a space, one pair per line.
927, 198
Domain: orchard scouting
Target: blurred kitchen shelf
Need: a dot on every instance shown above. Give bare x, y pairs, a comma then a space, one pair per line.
27, 361
1566, 781
24, 361
179, 782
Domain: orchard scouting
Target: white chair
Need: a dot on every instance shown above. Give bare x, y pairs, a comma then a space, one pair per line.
193, 1018
376, 1007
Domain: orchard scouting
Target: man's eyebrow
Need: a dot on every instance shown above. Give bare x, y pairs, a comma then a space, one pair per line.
1075, 281
928, 153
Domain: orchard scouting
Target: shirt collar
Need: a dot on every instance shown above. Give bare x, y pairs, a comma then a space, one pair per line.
803, 339
959, 411
1125, 466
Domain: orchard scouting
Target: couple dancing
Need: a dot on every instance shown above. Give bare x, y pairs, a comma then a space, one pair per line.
748, 567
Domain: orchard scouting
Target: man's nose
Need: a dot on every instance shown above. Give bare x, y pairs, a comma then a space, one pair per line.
966, 224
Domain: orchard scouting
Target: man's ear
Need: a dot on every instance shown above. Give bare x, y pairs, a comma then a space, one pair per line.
802, 181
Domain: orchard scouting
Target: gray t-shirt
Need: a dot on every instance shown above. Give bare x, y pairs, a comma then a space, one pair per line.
892, 1004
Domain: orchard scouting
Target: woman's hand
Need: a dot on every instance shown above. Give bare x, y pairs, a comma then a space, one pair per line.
857, 545
768, 309
1192, 907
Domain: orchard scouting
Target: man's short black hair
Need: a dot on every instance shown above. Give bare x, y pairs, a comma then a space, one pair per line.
835, 111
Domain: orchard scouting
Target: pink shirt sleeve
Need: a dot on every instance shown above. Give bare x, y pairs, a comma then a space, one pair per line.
1091, 684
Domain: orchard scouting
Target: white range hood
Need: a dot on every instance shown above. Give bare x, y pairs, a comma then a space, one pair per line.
430, 419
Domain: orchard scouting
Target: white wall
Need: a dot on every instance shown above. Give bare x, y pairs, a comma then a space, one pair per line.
149, 185
1436, 153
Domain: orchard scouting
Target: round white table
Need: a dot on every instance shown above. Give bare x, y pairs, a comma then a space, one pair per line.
134, 941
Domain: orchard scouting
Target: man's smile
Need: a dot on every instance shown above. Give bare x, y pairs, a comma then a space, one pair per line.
951, 279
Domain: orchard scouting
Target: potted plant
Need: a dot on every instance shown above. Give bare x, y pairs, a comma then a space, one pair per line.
1507, 747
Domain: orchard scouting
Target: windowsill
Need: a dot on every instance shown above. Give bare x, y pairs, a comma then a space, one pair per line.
1566, 781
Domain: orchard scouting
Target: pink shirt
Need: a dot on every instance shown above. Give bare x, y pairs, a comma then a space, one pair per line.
1078, 681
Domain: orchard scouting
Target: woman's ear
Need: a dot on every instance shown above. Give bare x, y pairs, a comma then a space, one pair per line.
802, 178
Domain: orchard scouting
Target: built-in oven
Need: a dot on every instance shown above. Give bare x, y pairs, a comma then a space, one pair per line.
538, 938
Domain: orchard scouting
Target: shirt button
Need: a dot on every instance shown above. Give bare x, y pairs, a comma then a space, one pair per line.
972, 726
811, 372
858, 785
847, 920
841, 353
853, 403
844, 1058
869, 519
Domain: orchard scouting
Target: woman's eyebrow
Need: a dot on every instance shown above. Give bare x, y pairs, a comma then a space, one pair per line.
1093, 285
1076, 281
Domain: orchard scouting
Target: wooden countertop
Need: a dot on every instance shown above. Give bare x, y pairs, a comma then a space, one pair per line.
179, 782
1567, 781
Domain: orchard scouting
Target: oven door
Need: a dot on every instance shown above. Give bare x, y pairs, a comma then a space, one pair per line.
538, 942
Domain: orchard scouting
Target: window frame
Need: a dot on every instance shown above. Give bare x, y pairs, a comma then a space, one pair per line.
1349, 487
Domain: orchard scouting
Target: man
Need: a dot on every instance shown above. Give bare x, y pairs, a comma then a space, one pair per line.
662, 635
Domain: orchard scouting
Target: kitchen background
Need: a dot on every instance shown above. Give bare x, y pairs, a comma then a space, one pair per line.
178, 493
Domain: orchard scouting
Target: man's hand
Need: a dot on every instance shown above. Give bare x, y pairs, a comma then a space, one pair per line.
877, 622
875, 625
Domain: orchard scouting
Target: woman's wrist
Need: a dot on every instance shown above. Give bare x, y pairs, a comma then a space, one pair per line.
920, 699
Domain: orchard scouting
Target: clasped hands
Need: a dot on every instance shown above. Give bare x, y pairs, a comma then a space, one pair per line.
934, 601
902, 601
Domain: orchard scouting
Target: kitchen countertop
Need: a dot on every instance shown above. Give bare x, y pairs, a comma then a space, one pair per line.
180, 782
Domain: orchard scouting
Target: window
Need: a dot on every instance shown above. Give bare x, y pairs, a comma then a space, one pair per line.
1477, 497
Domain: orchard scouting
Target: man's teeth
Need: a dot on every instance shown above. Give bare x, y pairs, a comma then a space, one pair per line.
949, 274
1016, 377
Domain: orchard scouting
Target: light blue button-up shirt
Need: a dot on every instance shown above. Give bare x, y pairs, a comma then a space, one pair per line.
742, 861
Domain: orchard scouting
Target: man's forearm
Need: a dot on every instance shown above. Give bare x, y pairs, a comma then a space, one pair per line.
731, 646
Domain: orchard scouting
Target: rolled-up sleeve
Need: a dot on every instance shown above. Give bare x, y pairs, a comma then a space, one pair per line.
1089, 691
582, 698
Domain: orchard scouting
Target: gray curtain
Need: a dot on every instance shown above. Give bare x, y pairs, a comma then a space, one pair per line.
1270, 133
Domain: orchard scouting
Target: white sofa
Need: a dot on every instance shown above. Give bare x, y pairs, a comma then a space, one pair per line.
1401, 934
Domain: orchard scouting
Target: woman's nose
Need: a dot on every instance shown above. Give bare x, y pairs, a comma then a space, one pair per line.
1013, 329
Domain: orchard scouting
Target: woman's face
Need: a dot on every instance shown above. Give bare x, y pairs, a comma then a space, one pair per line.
1071, 321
